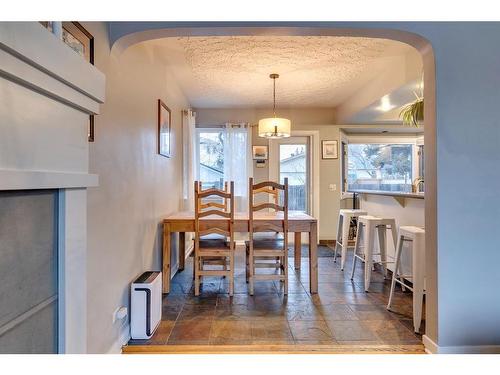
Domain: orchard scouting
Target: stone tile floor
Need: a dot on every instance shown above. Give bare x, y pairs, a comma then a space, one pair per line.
341, 313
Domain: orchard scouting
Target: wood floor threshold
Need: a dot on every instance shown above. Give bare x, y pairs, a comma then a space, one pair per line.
273, 349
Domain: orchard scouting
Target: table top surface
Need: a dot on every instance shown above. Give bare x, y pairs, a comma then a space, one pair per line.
243, 216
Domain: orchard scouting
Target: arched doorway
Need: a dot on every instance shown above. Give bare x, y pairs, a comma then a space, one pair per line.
124, 35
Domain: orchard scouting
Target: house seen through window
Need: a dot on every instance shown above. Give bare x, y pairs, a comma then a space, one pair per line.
211, 159
386, 167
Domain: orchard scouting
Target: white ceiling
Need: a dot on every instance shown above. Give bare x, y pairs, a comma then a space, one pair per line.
223, 72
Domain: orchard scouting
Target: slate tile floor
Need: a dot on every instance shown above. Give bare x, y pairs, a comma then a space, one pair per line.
341, 313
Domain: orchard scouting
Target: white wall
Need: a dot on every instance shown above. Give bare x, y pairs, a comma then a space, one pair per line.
137, 186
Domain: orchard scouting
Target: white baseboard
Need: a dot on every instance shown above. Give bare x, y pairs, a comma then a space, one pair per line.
432, 348
123, 338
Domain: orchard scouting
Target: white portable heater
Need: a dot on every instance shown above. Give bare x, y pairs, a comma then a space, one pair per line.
145, 305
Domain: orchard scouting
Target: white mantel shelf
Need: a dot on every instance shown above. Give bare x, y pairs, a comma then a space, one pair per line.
11, 179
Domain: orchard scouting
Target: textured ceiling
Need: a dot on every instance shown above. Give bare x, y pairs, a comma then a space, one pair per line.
218, 72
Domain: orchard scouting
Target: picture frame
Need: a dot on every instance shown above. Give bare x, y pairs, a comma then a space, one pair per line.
260, 152
329, 149
164, 128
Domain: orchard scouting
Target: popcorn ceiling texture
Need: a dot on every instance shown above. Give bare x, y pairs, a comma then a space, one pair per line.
314, 71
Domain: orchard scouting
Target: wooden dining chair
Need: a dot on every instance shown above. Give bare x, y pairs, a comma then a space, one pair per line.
206, 205
214, 245
260, 250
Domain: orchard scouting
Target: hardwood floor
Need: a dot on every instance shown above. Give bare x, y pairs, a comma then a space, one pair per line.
341, 318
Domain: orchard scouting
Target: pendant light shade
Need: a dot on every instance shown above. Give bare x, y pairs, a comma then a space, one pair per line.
274, 127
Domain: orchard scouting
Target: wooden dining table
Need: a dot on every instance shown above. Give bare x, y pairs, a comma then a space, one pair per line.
183, 222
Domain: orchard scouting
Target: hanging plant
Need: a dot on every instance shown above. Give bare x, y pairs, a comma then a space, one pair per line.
413, 114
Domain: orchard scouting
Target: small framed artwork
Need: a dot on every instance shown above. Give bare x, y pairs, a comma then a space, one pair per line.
164, 126
259, 152
260, 163
329, 150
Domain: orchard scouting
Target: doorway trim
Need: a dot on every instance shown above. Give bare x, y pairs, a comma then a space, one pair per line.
313, 136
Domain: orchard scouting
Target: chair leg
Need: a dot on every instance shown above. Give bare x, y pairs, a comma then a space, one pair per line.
418, 282
382, 244
246, 265
338, 240
359, 231
285, 269
196, 276
345, 240
395, 239
368, 244
399, 247
231, 274
251, 270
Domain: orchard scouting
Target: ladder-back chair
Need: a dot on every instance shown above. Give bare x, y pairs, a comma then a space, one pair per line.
267, 248
206, 205
207, 249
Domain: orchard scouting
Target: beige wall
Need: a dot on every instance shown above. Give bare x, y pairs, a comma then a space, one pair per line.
321, 119
137, 186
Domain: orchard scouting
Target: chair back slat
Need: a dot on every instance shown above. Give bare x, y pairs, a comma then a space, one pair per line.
273, 206
269, 190
224, 222
213, 204
214, 192
268, 184
214, 213
267, 187
267, 227
209, 231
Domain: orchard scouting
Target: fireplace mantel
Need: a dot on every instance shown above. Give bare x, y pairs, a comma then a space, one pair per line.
11, 179
47, 94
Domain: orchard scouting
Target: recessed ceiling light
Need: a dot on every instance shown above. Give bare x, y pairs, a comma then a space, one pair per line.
385, 104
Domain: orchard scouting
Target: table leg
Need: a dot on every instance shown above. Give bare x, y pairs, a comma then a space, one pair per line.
182, 250
297, 250
166, 257
313, 258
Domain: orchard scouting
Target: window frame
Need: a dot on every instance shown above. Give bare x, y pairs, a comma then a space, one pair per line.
370, 139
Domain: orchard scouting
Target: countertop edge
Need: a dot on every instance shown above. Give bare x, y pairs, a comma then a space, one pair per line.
389, 193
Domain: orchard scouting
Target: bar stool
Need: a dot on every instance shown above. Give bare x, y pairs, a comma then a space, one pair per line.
416, 236
345, 217
367, 225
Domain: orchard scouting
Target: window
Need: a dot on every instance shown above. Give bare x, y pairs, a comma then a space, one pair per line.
387, 167
421, 161
293, 165
211, 159
223, 154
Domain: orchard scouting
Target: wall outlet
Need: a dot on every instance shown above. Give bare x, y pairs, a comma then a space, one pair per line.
332, 187
120, 313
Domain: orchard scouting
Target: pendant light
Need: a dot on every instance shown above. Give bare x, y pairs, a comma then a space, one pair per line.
274, 127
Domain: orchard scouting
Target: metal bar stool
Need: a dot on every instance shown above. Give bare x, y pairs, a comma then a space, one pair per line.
367, 226
416, 236
342, 241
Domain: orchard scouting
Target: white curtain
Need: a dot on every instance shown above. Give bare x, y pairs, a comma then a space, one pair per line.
189, 159
238, 161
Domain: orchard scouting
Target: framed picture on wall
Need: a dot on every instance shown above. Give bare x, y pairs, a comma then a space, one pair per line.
164, 126
259, 152
329, 150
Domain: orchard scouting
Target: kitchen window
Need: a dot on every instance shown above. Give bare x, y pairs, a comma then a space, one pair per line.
377, 166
